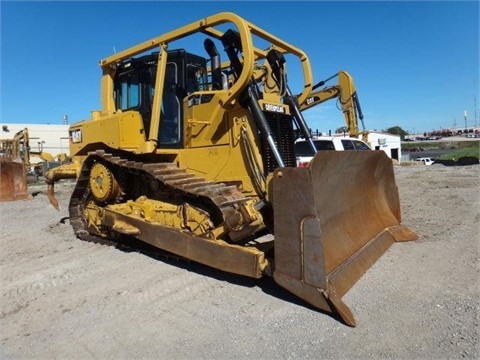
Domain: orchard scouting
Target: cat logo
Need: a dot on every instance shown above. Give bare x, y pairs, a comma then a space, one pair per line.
274, 108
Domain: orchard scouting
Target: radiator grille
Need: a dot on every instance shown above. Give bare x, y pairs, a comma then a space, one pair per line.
282, 132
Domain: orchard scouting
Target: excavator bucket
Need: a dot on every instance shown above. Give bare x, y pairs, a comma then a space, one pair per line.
333, 220
13, 181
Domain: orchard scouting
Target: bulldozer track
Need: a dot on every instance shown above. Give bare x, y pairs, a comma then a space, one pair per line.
219, 198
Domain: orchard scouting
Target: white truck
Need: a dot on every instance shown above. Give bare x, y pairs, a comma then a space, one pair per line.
304, 152
426, 160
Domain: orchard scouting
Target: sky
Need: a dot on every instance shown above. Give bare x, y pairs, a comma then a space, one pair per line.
414, 64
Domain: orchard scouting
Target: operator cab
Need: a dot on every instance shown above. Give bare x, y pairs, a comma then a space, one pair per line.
134, 88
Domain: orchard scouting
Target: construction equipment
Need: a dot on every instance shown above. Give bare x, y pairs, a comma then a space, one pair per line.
346, 94
17, 164
195, 156
23, 136
13, 175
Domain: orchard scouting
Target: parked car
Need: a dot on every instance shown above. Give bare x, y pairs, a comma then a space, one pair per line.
426, 160
304, 152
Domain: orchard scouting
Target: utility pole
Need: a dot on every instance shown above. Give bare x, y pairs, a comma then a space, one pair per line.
465, 116
475, 109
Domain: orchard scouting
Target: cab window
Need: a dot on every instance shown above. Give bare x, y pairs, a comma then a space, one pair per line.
170, 111
302, 148
360, 145
127, 92
348, 145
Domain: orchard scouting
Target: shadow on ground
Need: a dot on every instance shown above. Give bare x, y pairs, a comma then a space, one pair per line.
266, 283
463, 161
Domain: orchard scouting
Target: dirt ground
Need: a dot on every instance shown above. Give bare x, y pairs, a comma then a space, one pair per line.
69, 299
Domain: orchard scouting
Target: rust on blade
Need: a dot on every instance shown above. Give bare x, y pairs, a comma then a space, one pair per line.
13, 181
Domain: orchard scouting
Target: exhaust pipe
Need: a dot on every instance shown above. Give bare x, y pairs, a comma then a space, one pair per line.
217, 78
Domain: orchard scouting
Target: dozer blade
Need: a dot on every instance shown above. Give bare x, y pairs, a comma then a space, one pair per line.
13, 181
333, 220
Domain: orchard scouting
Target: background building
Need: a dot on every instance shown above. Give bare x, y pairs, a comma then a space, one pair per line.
389, 143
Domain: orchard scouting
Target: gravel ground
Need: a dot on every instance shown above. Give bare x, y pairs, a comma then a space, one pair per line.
65, 298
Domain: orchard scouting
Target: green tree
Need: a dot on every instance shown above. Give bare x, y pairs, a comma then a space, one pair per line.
341, 130
397, 130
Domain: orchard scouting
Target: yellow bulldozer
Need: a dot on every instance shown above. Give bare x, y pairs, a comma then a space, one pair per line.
193, 153
16, 165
